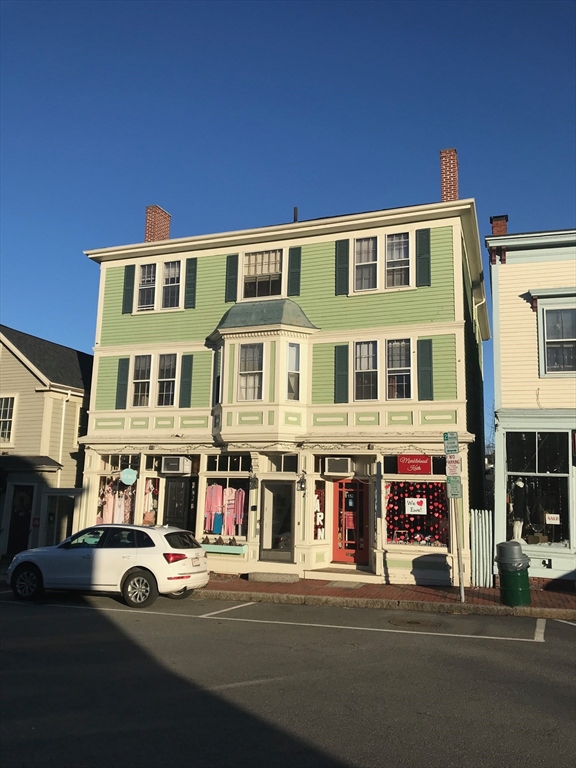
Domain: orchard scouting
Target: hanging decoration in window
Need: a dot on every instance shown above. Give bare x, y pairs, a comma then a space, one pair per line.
115, 501
417, 513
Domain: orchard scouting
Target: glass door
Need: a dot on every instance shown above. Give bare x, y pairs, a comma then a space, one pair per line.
180, 503
350, 522
277, 521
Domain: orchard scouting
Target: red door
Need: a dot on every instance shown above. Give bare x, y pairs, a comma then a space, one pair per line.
350, 522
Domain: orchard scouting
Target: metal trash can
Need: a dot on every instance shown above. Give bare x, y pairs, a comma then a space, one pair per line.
513, 571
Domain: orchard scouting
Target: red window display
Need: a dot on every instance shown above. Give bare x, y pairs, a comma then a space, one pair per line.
417, 513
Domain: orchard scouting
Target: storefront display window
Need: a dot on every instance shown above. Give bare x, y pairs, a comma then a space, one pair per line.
537, 496
150, 513
229, 462
417, 514
115, 500
226, 507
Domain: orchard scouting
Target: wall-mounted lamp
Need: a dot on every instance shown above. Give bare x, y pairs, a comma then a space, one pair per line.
253, 481
301, 482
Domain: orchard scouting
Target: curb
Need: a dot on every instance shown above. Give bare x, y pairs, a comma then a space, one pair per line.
390, 605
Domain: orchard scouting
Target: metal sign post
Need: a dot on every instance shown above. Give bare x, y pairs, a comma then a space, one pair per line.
454, 492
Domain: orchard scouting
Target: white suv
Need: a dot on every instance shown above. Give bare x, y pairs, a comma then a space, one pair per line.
139, 562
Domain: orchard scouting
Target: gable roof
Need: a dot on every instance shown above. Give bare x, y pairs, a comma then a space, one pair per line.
60, 365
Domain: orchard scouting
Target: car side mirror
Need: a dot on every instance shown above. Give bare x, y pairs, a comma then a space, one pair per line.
65, 544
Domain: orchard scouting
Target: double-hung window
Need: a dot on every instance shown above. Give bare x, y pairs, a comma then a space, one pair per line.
171, 287
293, 372
251, 360
142, 365
263, 273
365, 264
147, 287
166, 379
397, 260
366, 370
398, 369
6, 418
559, 339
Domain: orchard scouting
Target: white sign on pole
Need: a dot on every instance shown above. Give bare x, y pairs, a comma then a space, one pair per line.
454, 487
450, 442
452, 465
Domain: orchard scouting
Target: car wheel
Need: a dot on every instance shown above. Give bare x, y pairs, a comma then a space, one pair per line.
27, 582
139, 589
182, 594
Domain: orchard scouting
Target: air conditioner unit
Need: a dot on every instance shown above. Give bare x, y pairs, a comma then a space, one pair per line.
341, 466
175, 465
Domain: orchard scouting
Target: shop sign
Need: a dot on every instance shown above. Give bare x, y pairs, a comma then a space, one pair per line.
450, 442
128, 476
452, 465
414, 465
454, 487
552, 519
415, 506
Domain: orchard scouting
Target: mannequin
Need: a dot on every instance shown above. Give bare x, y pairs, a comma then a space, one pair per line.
519, 509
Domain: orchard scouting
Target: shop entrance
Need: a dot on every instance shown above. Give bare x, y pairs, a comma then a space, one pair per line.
277, 521
350, 522
180, 502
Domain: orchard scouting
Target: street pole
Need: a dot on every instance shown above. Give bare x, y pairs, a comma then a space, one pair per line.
457, 521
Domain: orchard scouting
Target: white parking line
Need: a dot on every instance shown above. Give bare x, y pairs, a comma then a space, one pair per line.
563, 621
539, 631
289, 623
225, 686
215, 613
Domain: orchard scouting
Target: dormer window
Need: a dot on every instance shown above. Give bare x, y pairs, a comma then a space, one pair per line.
263, 273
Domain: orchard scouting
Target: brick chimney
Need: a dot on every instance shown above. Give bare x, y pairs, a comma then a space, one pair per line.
449, 174
499, 225
157, 224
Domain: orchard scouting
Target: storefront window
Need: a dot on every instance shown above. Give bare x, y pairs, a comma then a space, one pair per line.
150, 513
115, 501
537, 497
229, 462
226, 508
417, 513
320, 510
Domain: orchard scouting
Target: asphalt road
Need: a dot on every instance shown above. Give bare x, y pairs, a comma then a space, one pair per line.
88, 683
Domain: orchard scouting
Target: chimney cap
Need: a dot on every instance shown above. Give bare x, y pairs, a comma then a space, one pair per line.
503, 217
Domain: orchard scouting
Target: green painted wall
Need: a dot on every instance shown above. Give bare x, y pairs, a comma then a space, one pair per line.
149, 327
201, 379
329, 312
444, 366
323, 373
106, 383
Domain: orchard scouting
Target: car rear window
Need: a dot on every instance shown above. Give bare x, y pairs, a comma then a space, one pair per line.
182, 540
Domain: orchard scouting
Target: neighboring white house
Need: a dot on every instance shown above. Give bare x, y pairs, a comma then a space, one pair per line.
44, 390
534, 305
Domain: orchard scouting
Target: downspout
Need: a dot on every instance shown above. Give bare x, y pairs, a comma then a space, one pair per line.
61, 449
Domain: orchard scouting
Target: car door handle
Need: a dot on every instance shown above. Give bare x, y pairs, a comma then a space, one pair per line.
86, 557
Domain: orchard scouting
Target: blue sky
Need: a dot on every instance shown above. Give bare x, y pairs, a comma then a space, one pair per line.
230, 114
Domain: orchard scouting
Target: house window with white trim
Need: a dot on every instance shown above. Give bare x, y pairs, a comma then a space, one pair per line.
365, 263
293, 372
397, 260
399, 372
171, 287
558, 339
147, 287
251, 371
263, 273
366, 370
6, 419
142, 365
166, 379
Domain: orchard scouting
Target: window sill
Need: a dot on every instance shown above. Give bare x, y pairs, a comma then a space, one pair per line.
225, 549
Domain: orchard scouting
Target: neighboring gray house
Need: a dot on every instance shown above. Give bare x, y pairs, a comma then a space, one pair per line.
44, 393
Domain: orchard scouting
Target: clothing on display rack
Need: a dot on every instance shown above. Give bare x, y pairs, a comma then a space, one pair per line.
224, 509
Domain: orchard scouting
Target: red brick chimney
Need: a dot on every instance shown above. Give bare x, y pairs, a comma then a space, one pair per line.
449, 174
499, 225
157, 224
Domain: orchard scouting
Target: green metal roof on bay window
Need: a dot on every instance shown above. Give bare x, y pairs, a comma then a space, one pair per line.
271, 312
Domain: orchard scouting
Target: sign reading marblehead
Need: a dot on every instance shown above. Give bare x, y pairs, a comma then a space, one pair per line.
414, 465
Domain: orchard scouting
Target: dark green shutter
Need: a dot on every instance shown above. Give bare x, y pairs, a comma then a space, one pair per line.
190, 287
122, 383
231, 277
186, 381
425, 372
128, 293
423, 276
294, 261
342, 251
341, 373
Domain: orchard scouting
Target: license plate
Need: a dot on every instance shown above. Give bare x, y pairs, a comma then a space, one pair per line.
195, 561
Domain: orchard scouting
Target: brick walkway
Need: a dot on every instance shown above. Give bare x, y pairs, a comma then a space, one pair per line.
563, 598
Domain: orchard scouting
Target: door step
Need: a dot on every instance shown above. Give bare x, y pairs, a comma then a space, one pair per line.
344, 574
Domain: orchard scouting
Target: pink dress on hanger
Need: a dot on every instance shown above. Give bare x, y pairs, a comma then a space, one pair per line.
228, 503
212, 505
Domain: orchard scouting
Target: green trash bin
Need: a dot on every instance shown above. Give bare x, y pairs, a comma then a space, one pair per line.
513, 571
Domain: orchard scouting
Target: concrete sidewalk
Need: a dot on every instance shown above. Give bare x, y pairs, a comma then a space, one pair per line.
547, 603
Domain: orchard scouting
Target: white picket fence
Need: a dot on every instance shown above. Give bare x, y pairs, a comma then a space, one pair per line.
482, 547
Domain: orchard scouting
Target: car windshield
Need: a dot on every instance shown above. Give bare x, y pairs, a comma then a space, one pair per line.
182, 540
